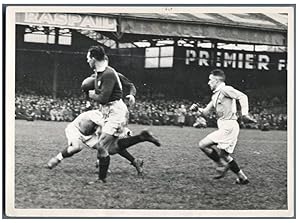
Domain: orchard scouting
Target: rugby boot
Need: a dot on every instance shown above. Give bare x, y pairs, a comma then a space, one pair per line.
53, 162
241, 181
138, 164
96, 181
147, 136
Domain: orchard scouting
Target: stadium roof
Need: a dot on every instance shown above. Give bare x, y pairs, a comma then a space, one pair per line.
249, 28
255, 28
245, 20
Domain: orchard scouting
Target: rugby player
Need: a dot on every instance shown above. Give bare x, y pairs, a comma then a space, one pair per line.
84, 132
108, 92
224, 102
89, 84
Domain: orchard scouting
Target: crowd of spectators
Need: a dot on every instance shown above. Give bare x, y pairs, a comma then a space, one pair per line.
154, 111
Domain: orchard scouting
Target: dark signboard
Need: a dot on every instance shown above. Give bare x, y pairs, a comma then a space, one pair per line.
233, 59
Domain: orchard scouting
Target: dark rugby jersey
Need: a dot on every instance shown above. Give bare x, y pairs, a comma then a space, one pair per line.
128, 86
108, 86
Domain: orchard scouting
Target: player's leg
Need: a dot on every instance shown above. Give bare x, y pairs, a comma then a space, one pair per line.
124, 143
121, 144
75, 145
207, 146
73, 148
234, 167
137, 163
118, 120
102, 147
227, 145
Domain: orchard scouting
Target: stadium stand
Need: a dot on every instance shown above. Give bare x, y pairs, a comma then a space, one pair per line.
146, 111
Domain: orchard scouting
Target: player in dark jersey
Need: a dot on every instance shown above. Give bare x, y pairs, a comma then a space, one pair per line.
108, 92
129, 87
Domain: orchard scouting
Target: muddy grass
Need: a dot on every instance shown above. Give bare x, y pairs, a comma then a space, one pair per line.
177, 175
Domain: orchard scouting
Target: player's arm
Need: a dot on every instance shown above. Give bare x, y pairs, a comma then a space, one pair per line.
128, 84
239, 96
103, 94
132, 89
242, 99
204, 111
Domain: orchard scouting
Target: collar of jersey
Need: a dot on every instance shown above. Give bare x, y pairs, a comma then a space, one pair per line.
219, 87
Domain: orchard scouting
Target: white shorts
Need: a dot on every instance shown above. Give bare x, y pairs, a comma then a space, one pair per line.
115, 116
226, 135
74, 137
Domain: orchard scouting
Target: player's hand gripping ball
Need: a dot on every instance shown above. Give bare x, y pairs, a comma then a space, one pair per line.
88, 84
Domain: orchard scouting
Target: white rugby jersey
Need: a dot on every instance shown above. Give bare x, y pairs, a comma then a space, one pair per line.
224, 101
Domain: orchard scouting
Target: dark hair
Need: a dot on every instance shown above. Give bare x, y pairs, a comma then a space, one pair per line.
97, 52
219, 73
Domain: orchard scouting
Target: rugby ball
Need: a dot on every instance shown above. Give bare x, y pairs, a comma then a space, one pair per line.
88, 84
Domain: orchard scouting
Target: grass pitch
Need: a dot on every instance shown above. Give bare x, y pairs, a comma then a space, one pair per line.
177, 174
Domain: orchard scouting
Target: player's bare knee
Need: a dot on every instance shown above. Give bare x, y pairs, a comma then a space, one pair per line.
74, 148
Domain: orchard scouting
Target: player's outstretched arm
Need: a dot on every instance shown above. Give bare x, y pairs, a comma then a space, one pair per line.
203, 111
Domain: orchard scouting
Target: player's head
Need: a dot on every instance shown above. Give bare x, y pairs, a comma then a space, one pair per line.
216, 77
95, 53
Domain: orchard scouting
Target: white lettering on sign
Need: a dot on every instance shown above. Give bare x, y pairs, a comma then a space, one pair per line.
229, 59
263, 61
76, 21
73, 20
61, 19
203, 58
219, 62
249, 61
240, 60
281, 64
190, 56
88, 22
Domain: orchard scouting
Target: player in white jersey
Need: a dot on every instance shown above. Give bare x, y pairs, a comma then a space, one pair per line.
223, 101
84, 132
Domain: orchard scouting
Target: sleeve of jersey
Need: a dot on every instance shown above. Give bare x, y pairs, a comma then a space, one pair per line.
127, 84
231, 92
106, 88
207, 109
